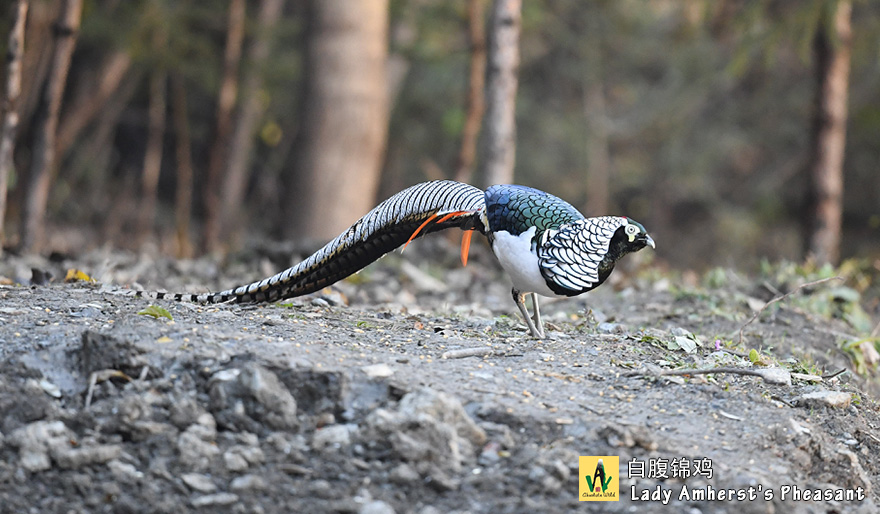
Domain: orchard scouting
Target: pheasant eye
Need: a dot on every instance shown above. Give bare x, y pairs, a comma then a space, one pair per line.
631, 230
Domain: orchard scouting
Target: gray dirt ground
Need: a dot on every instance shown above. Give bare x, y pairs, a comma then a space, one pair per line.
343, 401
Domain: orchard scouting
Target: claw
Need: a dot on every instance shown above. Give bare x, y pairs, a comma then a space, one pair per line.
535, 330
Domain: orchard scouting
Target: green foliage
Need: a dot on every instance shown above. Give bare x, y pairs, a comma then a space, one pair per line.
830, 299
156, 312
863, 360
753, 356
715, 278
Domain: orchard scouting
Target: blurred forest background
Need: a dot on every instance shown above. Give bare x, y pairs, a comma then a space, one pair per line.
734, 130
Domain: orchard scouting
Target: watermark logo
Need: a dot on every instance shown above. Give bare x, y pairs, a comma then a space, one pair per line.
598, 479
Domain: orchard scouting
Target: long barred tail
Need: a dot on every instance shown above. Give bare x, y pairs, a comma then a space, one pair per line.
417, 210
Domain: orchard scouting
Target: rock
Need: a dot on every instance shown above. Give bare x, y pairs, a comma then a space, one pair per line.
439, 479
199, 482
334, 436
42, 442
135, 414
499, 433
34, 440
320, 302
23, 404
124, 472
247, 439
102, 351
776, 376
679, 332
247, 483
184, 412
446, 409
210, 500
50, 388
430, 432
241, 457
380, 370
559, 469
835, 399
490, 454
537, 473
376, 507
352, 392
286, 443
235, 462
321, 488
628, 436
253, 398
75, 458
404, 474
610, 328
196, 447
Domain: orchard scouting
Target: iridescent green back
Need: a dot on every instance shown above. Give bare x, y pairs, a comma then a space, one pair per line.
517, 208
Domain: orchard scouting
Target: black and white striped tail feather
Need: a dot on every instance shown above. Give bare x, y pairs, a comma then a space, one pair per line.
380, 231
185, 297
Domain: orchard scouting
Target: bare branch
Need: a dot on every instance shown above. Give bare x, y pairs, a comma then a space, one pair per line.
481, 351
769, 375
780, 298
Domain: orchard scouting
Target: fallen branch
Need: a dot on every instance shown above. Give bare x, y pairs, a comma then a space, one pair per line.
482, 351
103, 375
832, 375
780, 298
770, 375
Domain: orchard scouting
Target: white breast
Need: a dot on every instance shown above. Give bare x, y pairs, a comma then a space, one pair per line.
520, 262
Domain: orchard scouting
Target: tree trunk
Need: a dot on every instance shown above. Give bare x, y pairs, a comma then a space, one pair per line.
91, 100
832, 47
183, 153
43, 161
250, 111
97, 153
464, 166
345, 118
10, 104
225, 104
501, 84
38, 32
152, 155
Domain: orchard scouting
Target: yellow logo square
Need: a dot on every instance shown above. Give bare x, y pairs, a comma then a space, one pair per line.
598, 478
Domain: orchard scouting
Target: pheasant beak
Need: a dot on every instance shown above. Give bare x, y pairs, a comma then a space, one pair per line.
649, 241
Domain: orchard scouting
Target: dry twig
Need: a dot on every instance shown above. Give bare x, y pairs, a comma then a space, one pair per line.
780, 298
832, 375
481, 351
771, 375
101, 376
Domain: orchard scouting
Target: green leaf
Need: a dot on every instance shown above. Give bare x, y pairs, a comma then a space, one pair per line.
156, 312
753, 356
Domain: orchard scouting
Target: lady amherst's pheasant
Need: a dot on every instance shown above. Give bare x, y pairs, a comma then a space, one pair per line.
545, 245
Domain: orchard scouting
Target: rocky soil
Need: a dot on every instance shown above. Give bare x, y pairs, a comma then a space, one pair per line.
413, 388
